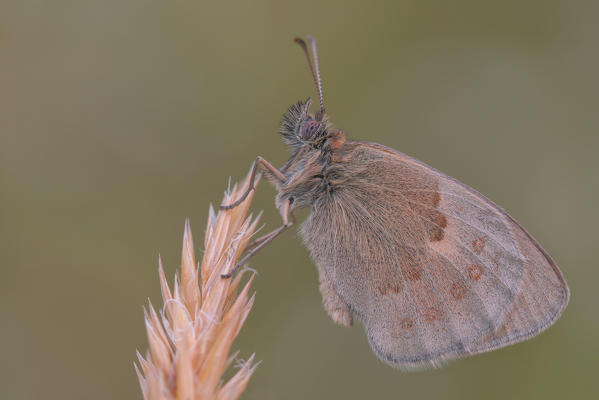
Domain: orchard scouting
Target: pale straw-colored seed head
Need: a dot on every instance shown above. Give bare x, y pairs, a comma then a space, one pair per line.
190, 337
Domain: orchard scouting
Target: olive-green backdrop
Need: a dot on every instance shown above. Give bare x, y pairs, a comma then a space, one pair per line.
119, 119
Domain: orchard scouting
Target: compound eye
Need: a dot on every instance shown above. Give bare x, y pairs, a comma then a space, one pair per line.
309, 128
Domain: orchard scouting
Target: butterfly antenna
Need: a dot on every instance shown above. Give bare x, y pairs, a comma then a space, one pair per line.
317, 67
315, 74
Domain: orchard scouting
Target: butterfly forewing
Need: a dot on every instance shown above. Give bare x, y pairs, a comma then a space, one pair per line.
433, 269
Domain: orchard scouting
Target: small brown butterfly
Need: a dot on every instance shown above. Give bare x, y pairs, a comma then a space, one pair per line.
432, 268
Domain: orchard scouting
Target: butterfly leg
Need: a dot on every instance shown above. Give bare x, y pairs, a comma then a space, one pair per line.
259, 161
260, 243
259, 240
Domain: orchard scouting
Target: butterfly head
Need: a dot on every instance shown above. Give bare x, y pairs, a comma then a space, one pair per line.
300, 127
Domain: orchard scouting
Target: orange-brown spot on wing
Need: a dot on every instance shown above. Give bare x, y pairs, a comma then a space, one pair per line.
437, 226
475, 272
406, 323
414, 273
388, 287
432, 314
457, 291
478, 245
423, 199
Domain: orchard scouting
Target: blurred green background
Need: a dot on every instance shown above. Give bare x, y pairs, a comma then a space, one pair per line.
119, 119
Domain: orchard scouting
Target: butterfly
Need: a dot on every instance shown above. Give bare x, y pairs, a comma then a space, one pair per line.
432, 268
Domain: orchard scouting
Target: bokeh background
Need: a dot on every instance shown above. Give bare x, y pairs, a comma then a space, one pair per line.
119, 119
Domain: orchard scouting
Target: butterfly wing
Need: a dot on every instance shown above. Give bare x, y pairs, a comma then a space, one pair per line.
433, 269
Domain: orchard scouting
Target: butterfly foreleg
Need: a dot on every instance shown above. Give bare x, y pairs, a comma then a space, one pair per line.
258, 162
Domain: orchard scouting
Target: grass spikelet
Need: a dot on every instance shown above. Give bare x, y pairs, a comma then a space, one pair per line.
190, 338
